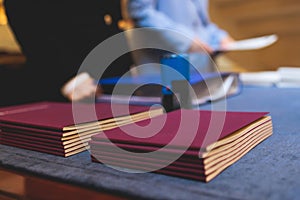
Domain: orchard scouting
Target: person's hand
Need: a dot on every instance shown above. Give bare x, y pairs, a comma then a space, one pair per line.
199, 46
81, 87
226, 41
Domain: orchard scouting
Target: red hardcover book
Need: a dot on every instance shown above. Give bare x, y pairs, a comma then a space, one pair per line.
208, 145
48, 125
58, 116
213, 124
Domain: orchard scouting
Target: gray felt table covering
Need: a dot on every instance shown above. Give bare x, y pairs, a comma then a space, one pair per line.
269, 171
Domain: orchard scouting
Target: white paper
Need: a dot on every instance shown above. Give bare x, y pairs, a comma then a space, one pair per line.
289, 74
267, 78
288, 77
252, 43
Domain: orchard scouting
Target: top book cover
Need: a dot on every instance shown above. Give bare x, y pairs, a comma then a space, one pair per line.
57, 116
178, 128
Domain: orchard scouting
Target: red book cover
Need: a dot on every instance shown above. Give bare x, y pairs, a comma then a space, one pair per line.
186, 161
24, 130
33, 146
56, 116
173, 171
191, 129
31, 139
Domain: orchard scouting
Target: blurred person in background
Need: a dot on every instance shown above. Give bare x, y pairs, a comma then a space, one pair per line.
183, 26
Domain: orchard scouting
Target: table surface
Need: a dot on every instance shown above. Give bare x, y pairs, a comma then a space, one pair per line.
269, 171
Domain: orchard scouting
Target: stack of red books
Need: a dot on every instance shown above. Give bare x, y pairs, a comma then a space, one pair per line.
62, 128
186, 143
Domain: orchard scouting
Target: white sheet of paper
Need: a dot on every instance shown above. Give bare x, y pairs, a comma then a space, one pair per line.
266, 78
252, 43
288, 77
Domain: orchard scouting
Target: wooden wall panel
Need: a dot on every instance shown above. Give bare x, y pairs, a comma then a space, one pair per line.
243, 19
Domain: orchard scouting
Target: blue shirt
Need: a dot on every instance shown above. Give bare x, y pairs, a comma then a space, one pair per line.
187, 17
